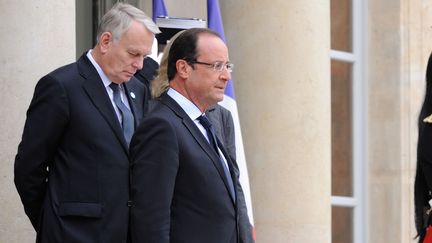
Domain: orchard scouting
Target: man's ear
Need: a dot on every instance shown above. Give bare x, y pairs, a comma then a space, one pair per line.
105, 41
183, 68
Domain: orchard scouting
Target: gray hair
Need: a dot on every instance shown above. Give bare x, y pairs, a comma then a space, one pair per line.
118, 19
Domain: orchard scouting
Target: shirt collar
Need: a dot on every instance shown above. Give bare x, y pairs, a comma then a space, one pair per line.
190, 108
106, 81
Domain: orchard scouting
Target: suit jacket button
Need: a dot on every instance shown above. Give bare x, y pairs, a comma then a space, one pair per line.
129, 203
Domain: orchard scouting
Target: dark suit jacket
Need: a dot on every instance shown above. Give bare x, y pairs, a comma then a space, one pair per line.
423, 179
179, 191
72, 130
223, 124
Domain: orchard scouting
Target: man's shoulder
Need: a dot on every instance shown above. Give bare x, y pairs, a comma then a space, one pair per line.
63, 76
64, 70
159, 108
159, 116
81, 67
219, 112
82, 62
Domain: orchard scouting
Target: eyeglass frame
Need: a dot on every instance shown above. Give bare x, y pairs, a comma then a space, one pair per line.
228, 65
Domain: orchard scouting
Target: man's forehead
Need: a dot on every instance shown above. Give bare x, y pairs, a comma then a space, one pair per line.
212, 46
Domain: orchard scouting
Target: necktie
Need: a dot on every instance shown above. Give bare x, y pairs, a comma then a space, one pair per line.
213, 142
126, 114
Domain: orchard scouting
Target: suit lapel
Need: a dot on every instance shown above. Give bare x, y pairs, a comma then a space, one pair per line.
198, 136
96, 91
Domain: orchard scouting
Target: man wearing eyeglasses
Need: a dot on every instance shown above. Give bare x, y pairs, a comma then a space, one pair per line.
183, 181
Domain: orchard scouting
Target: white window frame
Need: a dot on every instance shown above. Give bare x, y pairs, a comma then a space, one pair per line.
359, 122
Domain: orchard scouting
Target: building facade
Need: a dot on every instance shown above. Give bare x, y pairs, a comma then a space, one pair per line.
328, 95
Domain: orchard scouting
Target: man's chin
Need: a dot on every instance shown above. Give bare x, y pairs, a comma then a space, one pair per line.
220, 98
127, 78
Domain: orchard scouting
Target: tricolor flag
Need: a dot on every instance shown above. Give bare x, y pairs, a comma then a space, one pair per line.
215, 23
159, 9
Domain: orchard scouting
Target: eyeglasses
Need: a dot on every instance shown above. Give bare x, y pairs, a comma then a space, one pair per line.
217, 66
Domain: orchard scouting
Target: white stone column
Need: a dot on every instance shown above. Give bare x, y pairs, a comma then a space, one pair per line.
282, 84
36, 37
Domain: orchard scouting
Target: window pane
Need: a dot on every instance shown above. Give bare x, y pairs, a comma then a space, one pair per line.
341, 30
341, 128
342, 225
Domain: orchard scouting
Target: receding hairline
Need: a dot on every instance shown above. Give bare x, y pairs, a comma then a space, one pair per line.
119, 19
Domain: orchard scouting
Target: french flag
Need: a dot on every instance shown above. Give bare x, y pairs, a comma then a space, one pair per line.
215, 23
159, 9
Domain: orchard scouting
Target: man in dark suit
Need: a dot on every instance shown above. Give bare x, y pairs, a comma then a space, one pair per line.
219, 116
72, 165
183, 189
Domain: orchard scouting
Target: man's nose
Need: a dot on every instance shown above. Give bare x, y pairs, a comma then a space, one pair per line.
138, 63
225, 75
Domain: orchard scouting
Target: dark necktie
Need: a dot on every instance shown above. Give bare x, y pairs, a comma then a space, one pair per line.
126, 114
213, 142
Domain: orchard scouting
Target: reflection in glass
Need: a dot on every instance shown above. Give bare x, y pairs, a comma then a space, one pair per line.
341, 22
341, 129
342, 225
